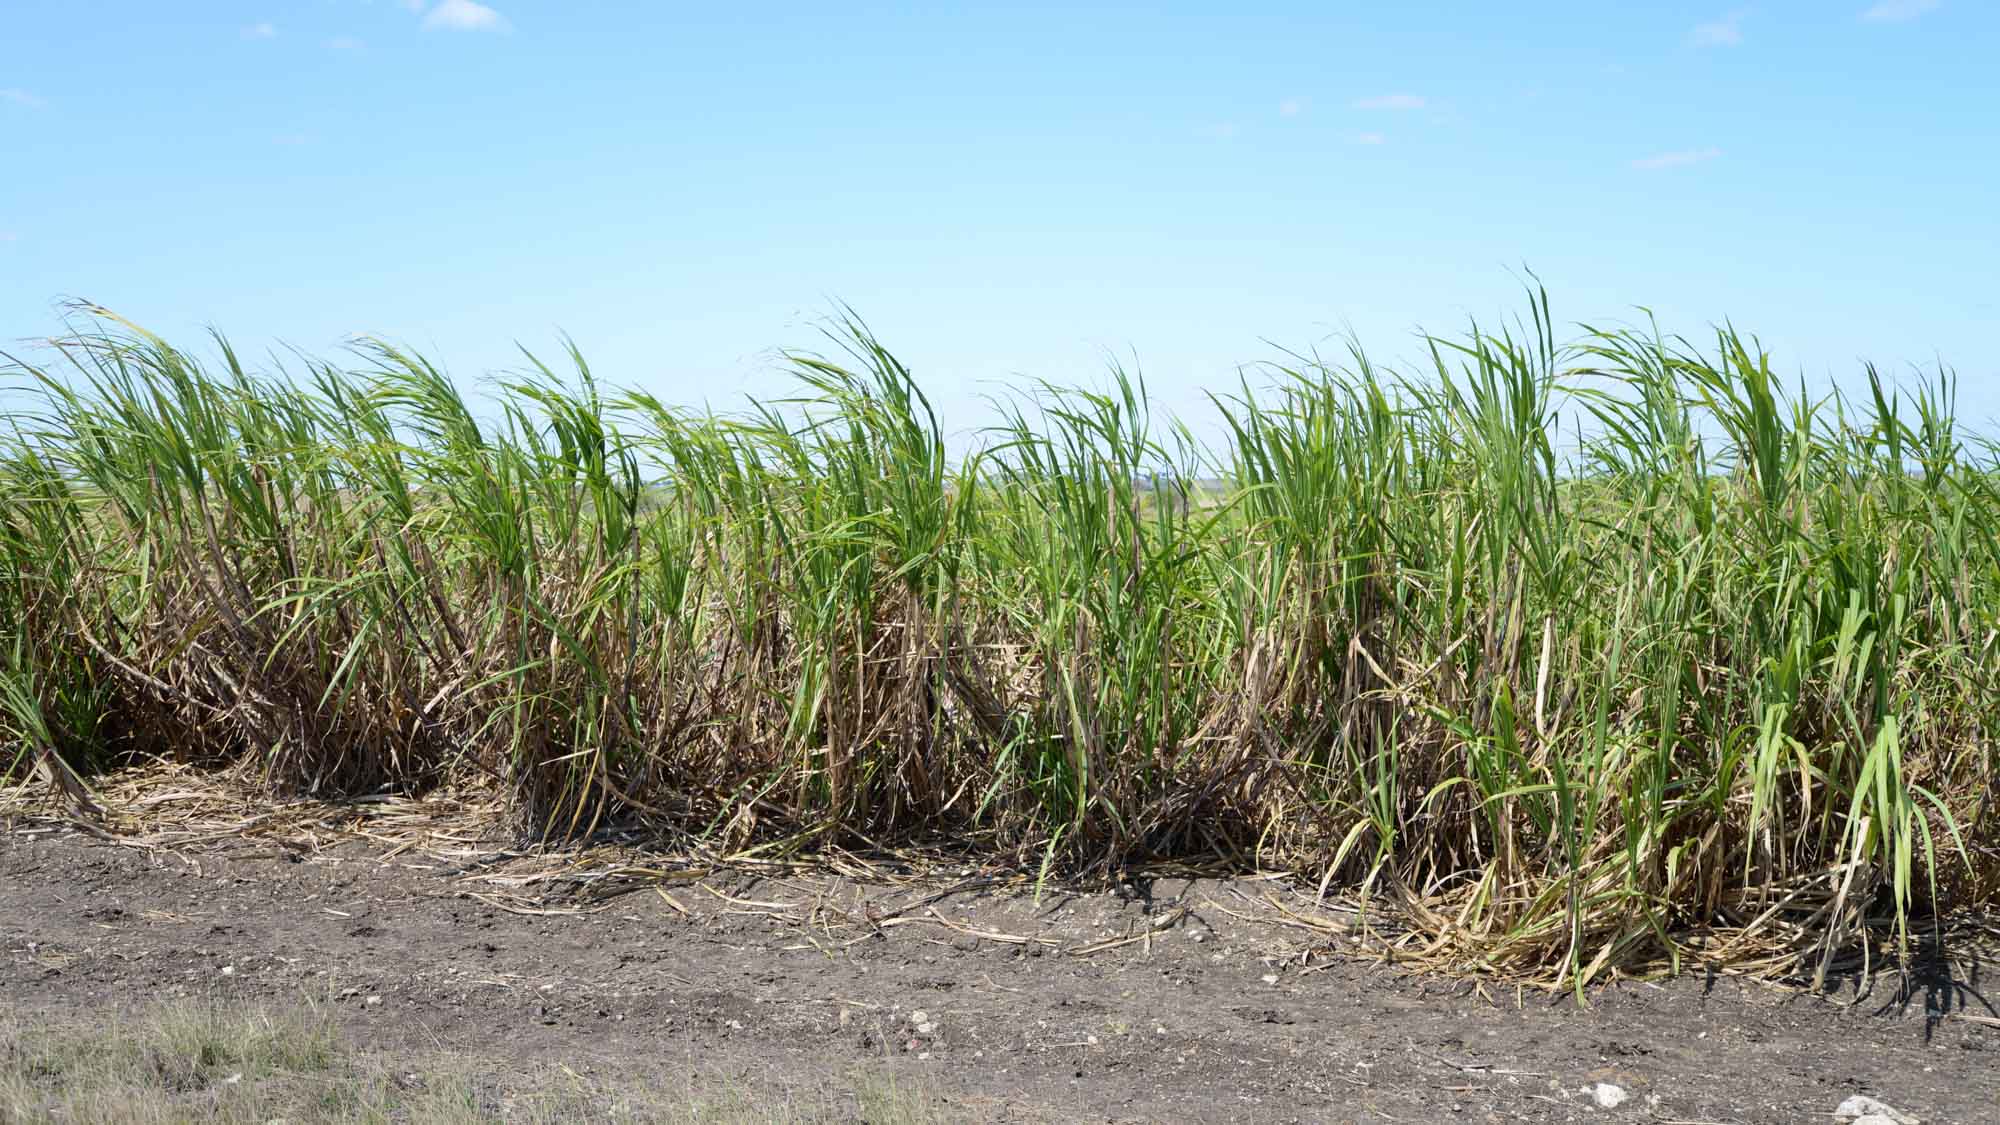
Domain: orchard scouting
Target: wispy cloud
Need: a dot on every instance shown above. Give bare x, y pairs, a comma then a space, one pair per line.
344, 43
15, 96
1898, 11
1391, 101
1369, 139
261, 31
291, 140
9, 236
1677, 159
1291, 107
1724, 32
1220, 131
465, 15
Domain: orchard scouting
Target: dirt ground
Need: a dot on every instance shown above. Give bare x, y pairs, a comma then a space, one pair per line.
1175, 1000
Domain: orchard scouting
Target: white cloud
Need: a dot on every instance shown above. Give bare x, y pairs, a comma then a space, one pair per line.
1219, 132
1725, 32
1292, 107
344, 43
15, 96
9, 236
1370, 139
465, 15
1677, 159
260, 31
1898, 11
1391, 101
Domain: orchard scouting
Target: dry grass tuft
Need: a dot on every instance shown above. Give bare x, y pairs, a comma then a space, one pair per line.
236, 1066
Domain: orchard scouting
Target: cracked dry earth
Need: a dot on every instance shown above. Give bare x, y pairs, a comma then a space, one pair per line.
1206, 1015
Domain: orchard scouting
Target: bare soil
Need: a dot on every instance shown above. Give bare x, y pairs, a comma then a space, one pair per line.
1168, 1000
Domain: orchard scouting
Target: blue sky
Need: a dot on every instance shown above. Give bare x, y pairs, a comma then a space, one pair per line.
1004, 190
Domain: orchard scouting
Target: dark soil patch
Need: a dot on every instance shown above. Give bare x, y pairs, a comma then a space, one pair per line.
1207, 1017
